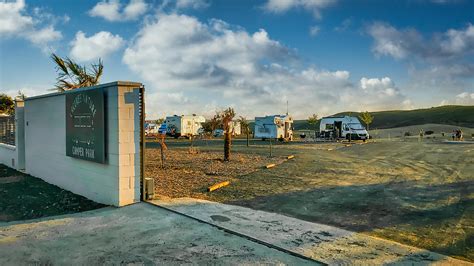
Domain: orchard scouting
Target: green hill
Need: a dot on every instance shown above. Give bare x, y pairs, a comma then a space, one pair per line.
449, 115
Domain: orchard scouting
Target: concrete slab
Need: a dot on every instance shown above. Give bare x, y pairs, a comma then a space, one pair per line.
137, 234
323, 243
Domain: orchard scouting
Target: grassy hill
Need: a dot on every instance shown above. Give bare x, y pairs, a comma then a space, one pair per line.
449, 115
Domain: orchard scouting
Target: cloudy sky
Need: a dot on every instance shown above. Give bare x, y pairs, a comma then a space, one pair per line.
196, 56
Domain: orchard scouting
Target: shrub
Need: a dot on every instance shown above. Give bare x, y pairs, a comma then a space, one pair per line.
429, 132
407, 134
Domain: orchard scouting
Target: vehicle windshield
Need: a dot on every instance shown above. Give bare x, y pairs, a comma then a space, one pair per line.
356, 126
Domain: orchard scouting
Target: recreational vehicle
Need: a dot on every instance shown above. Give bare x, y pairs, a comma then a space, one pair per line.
347, 127
236, 128
184, 125
151, 129
274, 127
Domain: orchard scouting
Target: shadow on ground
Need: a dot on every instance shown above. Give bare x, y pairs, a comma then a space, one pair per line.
25, 197
436, 217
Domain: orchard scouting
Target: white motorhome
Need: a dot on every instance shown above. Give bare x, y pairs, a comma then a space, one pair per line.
274, 127
151, 129
347, 127
184, 125
236, 128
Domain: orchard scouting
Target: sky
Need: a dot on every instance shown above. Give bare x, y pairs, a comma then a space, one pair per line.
200, 56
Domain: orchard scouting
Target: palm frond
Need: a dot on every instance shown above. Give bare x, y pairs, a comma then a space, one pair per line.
60, 65
72, 75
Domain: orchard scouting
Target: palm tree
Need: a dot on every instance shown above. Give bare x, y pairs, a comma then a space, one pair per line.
226, 118
72, 75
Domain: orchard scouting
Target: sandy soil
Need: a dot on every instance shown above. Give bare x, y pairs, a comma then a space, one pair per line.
419, 194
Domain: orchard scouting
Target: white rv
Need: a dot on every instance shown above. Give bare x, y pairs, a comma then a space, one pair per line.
274, 127
184, 125
236, 128
347, 127
151, 129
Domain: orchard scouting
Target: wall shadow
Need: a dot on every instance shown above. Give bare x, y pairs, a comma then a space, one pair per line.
24, 197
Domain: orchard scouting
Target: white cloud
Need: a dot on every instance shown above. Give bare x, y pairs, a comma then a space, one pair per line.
313, 6
45, 35
195, 4
135, 9
12, 19
112, 10
15, 22
439, 64
464, 98
345, 25
405, 43
214, 64
96, 46
314, 30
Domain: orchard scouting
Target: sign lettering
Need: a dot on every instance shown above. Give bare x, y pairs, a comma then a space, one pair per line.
85, 126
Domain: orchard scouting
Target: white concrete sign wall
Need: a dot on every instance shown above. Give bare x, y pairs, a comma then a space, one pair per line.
117, 182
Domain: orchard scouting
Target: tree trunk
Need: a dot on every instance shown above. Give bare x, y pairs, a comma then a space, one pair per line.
162, 156
248, 137
271, 149
227, 142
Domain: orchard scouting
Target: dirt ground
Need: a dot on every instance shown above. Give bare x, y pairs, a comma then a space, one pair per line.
25, 197
416, 193
189, 174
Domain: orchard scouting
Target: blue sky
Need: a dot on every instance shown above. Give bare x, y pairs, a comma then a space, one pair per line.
196, 56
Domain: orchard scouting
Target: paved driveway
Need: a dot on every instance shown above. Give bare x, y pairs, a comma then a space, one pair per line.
137, 234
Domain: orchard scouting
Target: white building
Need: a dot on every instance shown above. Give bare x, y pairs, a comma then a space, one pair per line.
274, 127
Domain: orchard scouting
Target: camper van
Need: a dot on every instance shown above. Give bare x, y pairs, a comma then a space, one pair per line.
184, 125
274, 127
347, 127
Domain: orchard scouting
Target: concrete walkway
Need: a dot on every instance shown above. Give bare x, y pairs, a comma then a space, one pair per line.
137, 234
323, 243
